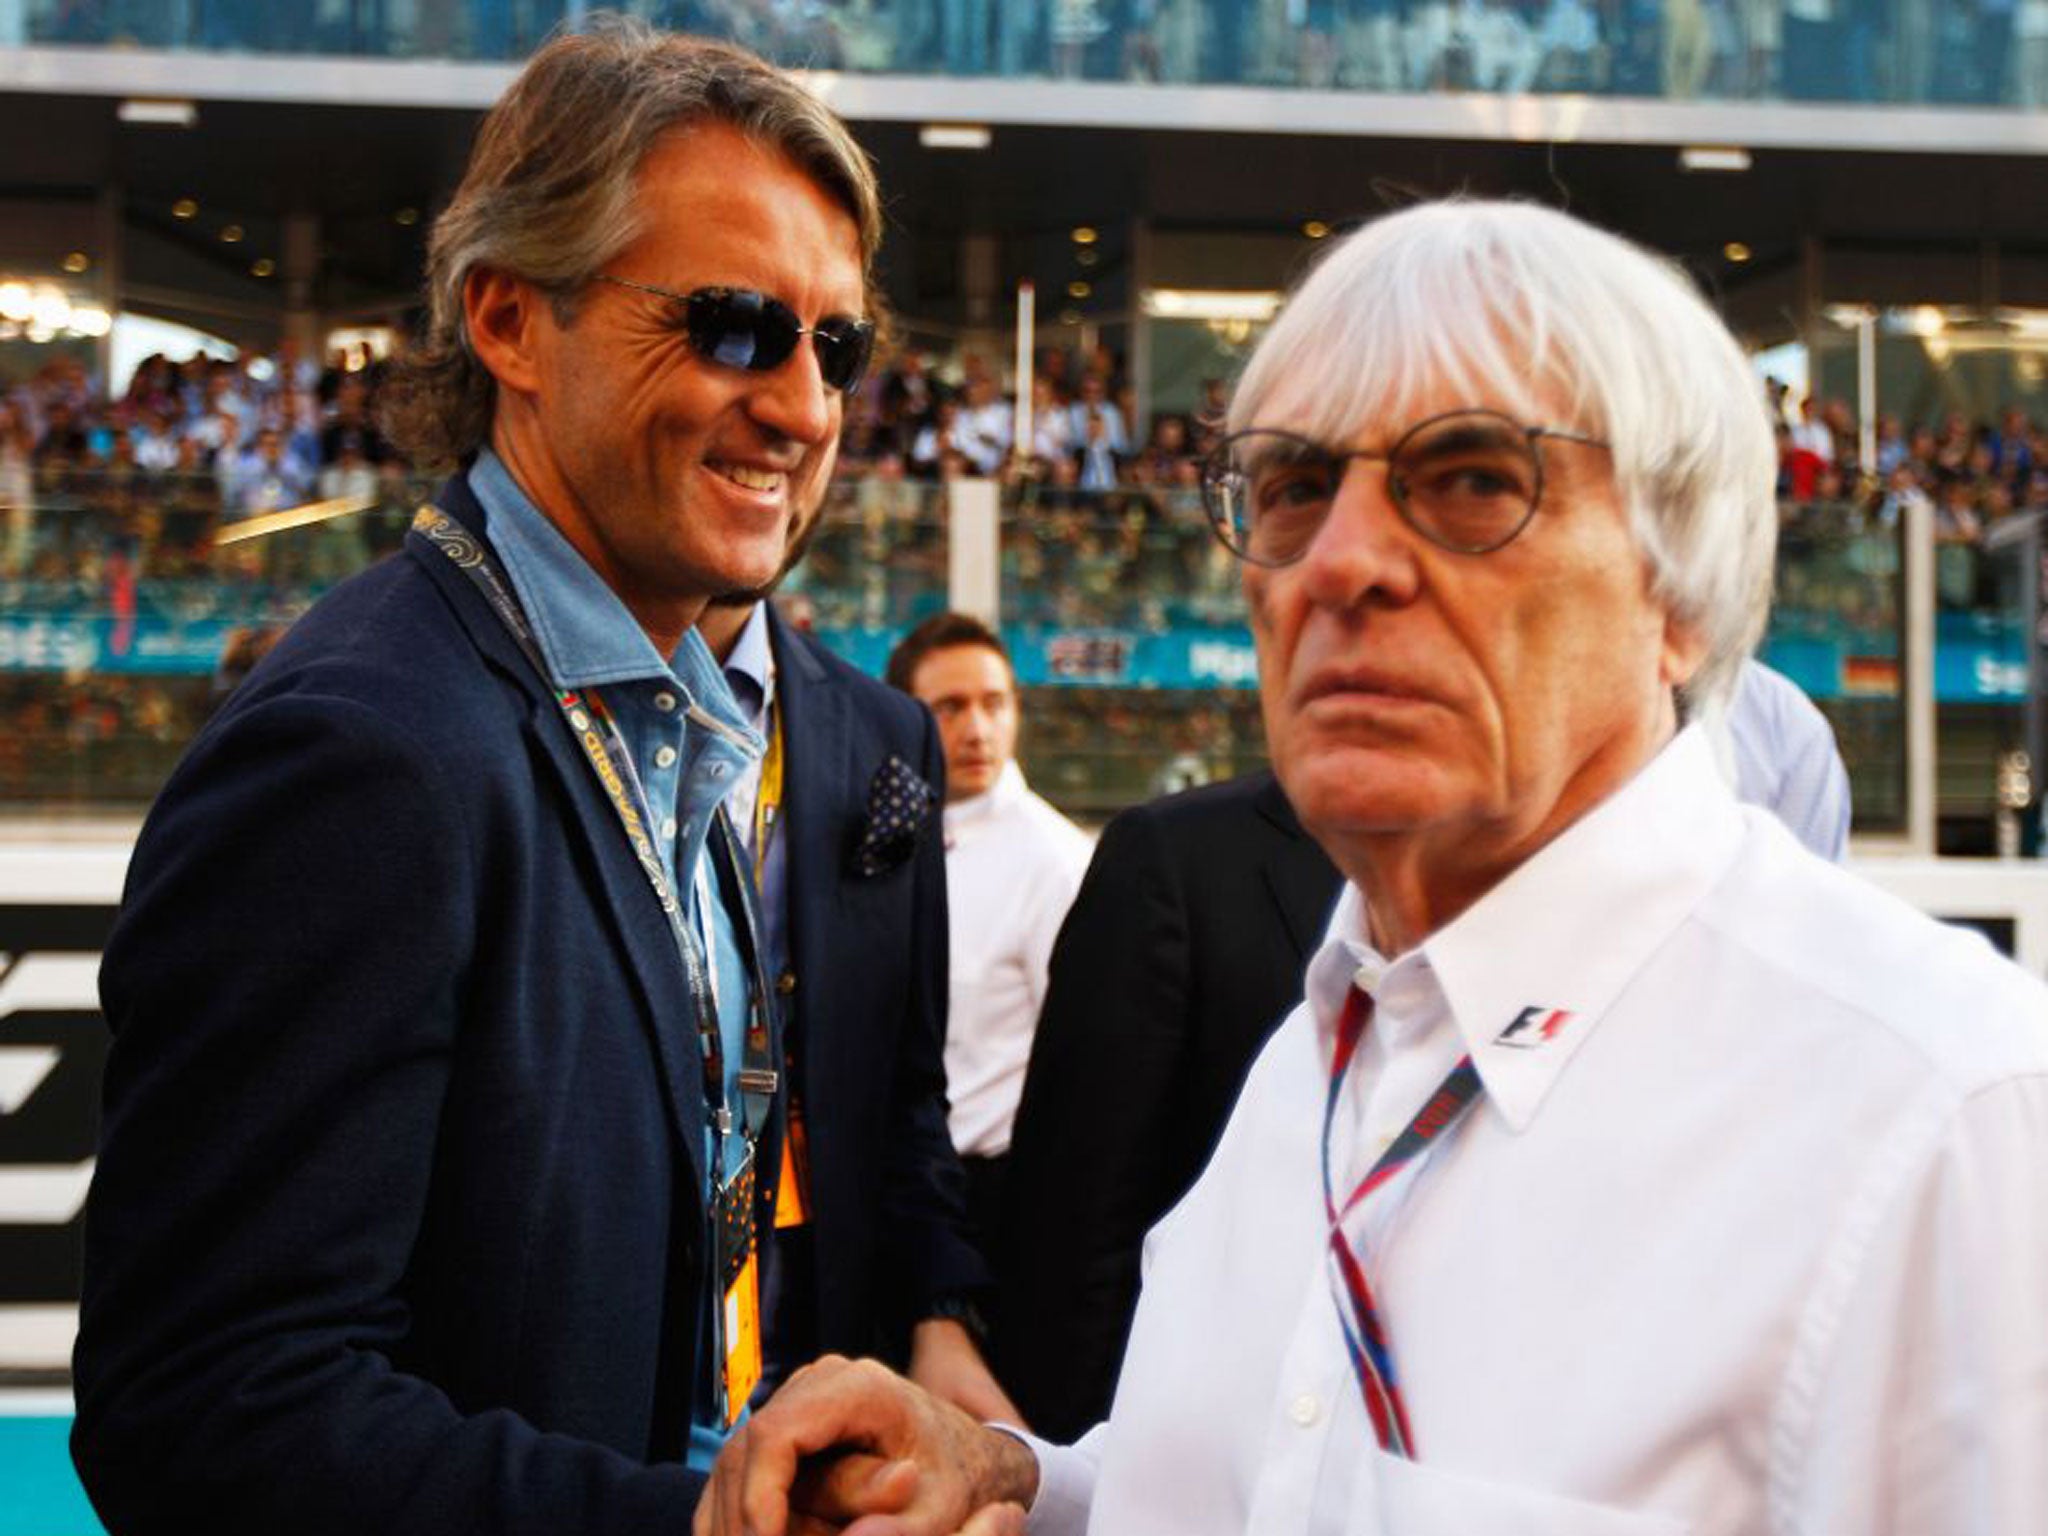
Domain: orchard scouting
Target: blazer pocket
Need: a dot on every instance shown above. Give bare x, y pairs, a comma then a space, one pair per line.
1417, 1500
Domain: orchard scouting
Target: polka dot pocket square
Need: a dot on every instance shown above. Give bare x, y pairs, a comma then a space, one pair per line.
899, 804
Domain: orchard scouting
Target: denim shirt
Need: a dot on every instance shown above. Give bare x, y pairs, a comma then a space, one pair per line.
686, 735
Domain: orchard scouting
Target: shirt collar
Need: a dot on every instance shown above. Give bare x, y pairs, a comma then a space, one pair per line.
753, 659
1530, 969
1008, 788
586, 635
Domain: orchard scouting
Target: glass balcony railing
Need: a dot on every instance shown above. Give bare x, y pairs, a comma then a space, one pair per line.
1881, 51
1835, 631
128, 604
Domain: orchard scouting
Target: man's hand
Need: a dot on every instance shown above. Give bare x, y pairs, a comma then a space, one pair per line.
945, 1362
850, 1442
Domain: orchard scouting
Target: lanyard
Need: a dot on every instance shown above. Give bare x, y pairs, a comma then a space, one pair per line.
1365, 1338
768, 795
604, 748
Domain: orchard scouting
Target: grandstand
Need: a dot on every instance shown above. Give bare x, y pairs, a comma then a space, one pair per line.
1859, 195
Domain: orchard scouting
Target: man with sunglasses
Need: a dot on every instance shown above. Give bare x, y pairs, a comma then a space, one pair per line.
446, 1092
1628, 1168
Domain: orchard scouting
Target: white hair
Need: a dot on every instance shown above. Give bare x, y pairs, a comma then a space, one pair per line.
1530, 311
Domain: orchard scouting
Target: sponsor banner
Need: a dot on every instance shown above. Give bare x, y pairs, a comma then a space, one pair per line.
75, 644
1978, 658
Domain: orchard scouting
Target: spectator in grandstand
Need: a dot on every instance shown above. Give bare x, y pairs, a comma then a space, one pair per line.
1569, 53
1012, 866
1098, 460
1503, 493
983, 425
1052, 429
1093, 404
266, 477
63, 440
443, 1061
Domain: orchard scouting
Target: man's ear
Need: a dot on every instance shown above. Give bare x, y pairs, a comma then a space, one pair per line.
1683, 653
505, 317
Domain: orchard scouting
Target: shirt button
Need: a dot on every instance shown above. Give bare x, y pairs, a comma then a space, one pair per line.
1368, 976
1305, 1409
665, 757
668, 828
665, 702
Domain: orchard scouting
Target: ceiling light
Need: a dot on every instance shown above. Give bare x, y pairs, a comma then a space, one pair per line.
76, 262
405, 218
262, 266
1315, 229
1257, 305
232, 234
157, 114
1713, 157
49, 311
16, 303
1736, 251
91, 322
1070, 317
1078, 289
1086, 257
1084, 234
954, 136
185, 208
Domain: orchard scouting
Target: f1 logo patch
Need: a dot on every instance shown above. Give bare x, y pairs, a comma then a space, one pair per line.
1534, 1026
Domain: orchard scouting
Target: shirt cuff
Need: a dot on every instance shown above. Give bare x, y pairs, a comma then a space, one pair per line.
1066, 1485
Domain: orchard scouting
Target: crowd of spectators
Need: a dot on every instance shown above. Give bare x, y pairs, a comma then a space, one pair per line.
1971, 476
1949, 51
111, 508
98, 495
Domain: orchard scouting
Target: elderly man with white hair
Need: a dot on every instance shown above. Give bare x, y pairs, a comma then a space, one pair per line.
1627, 1170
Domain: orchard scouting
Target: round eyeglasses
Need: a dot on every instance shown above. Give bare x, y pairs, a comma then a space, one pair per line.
1467, 481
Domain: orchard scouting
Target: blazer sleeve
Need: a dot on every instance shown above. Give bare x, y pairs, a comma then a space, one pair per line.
924, 1190
1086, 1155
285, 988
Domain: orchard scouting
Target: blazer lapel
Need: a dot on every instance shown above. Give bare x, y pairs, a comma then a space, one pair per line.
818, 774
654, 971
1299, 876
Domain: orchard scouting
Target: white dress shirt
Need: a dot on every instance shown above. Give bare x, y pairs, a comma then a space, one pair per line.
1013, 864
1756, 1241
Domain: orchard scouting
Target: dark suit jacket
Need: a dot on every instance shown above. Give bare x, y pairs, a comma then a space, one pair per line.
397, 1223
1183, 950
868, 1022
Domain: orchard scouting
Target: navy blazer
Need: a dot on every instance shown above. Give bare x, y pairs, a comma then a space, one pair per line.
1184, 948
397, 1224
868, 988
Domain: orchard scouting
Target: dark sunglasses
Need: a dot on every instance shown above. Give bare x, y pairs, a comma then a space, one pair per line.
739, 328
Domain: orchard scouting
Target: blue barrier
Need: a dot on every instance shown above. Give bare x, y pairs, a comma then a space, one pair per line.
42, 1493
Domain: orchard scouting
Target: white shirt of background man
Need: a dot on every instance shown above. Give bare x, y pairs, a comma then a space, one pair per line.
1013, 864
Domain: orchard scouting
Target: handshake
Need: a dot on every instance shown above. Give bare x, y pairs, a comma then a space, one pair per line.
848, 1445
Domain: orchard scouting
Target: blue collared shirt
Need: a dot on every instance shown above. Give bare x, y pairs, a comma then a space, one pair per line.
686, 736
750, 670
